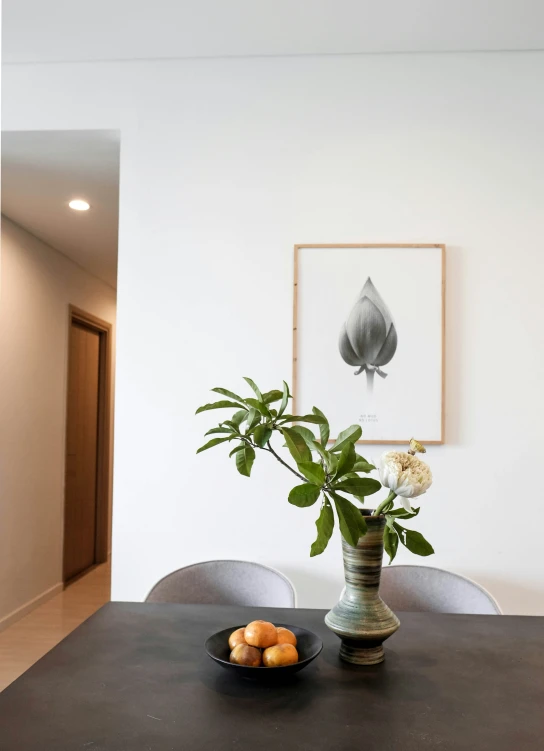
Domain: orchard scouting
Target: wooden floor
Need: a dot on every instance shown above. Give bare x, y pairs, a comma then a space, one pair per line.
22, 644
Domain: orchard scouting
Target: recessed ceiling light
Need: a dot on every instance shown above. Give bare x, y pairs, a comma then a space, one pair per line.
78, 205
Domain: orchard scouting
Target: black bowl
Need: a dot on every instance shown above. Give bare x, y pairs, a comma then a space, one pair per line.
308, 646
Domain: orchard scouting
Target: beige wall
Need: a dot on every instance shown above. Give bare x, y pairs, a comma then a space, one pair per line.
37, 285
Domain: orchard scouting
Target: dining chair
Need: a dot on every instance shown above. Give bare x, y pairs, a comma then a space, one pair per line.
428, 589
226, 583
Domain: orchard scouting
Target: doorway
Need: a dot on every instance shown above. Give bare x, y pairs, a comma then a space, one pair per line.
87, 468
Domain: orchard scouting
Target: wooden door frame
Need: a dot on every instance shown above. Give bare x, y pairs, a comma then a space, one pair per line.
103, 454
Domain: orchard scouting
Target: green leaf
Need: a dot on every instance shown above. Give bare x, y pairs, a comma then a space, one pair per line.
306, 433
346, 460
272, 396
213, 442
333, 463
324, 429
216, 405
327, 458
359, 485
325, 527
414, 541
323, 453
255, 388
262, 435
230, 394
304, 495
390, 543
219, 430
244, 460
296, 445
316, 419
401, 513
237, 448
237, 418
253, 419
390, 522
313, 472
360, 498
352, 523
349, 435
284, 399
258, 406
361, 464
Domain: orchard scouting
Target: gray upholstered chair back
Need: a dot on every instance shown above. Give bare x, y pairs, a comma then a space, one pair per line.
424, 588
226, 583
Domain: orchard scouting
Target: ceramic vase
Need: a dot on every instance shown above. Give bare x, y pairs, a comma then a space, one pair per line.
361, 618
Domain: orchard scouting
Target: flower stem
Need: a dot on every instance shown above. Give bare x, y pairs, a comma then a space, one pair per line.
369, 380
385, 505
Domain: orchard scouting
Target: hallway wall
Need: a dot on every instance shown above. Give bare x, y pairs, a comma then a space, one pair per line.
37, 285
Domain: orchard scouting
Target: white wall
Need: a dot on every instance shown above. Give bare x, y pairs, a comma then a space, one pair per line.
225, 165
38, 284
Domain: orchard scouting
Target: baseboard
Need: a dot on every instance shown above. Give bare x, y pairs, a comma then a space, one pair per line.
28, 607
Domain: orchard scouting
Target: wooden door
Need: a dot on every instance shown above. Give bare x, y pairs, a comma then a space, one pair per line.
80, 514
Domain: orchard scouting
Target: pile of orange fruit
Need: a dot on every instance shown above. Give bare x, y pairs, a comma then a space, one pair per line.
261, 644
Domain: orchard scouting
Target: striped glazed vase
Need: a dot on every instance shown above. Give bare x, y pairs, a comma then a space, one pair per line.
361, 619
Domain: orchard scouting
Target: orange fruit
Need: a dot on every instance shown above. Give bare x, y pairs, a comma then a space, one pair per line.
243, 654
237, 637
285, 636
261, 634
280, 654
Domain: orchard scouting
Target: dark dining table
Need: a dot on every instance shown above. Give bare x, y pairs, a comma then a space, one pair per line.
136, 677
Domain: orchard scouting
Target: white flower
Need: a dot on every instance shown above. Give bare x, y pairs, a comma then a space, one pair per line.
405, 475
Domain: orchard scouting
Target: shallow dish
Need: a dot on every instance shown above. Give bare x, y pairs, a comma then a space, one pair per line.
308, 646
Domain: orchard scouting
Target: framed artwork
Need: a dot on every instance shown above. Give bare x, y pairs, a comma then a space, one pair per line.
368, 339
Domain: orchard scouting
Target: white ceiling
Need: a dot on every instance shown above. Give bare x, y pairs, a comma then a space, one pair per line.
57, 30
42, 171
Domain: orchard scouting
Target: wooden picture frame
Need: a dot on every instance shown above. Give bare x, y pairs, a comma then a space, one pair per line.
435, 439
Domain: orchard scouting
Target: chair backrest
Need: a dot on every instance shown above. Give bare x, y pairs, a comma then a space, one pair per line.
424, 588
226, 583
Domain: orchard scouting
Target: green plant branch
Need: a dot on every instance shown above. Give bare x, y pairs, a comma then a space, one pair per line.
333, 471
385, 505
271, 450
